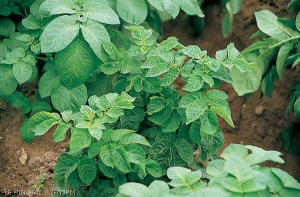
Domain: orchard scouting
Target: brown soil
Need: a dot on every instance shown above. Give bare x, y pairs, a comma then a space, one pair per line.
257, 121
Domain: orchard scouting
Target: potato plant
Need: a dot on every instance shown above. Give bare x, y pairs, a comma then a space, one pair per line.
104, 80
277, 51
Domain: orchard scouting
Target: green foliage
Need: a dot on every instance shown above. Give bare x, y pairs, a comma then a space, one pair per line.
237, 174
99, 67
276, 51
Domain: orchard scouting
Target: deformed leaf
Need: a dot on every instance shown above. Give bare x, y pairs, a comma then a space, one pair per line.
259, 155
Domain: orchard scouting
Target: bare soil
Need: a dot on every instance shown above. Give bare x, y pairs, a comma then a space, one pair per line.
257, 120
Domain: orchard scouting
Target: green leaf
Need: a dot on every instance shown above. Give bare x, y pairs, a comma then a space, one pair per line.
8, 83
59, 133
41, 122
298, 22
102, 85
26, 132
39, 106
286, 179
49, 83
172, 123
53, 7
259, 155
136, 154
76, 63
238, 168
172, 7
185, 150
191, 7
59, 33
268, 23
95, 34
7, 27
157, 70
209, 123
170, 76
121, 160
87, 170
216, 168
106, 155
232, 51
80, 139
96, 130
106, 170
178, 176
282, 55
297, 106
159, 188
194, 177
153, 168
65, 166
235, 150
155, 105
135, 190
195, 83
69, 99
162, 116
31, 23
100, 12
22, 71
132, 11
17, 99
152, 85
221, 108
133, 138
74, 180
231, 183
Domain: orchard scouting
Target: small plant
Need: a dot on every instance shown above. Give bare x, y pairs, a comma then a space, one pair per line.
40, 183
237, 174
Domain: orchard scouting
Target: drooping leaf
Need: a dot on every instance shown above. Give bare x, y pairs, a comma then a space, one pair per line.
41, 122
282, 55
268, 23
